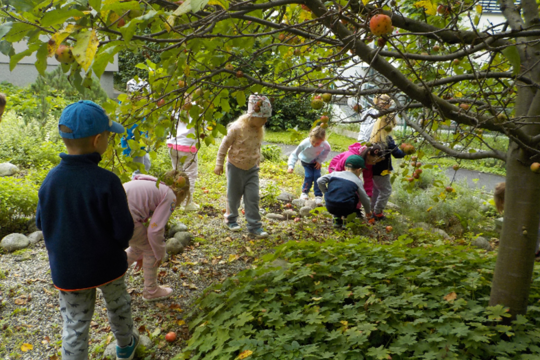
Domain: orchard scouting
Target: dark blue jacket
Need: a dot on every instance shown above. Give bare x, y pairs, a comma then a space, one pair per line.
386, 164
86, 223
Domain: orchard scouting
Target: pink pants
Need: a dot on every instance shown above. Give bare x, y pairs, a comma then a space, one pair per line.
139, 248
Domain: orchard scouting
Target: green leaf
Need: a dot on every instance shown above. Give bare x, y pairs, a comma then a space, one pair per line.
41, 62
241, 98
5, 28
512, 54
104, 56
14, 59
120, 7
225, 105
17, 32
56, 17
379, 353
95, 4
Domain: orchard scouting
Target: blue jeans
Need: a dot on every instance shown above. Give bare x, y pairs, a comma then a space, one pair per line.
311, 175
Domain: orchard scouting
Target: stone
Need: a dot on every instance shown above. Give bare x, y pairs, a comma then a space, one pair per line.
32, 227
482, 243
299, 203
176, 228
311, 204
184, 237
7, 169
499, 224
110, 351
35, 237
290, 214
14, 242
305, 211
272, 216
392, 206
285, 197
165, 257
441, 233
174, 246
145, 341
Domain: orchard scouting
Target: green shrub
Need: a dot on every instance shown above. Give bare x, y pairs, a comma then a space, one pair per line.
359, 301
272, 153
18, 201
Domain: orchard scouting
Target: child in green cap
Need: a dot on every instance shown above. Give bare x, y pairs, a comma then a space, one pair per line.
344, 191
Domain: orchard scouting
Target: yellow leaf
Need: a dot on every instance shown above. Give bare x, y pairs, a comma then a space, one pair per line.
428, 210
26, 347
180, 322
223, 3
478, 9
186, 70
59, 37
85, 49
244, 354
344, 323
451, 297
233, 257
317, 298
386, 172
365, 2
431, 8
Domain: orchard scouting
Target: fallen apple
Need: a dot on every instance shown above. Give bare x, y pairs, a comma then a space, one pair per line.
171, 336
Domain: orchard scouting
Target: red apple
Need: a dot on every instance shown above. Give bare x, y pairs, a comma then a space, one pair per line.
171, 336
535, 167
388, 229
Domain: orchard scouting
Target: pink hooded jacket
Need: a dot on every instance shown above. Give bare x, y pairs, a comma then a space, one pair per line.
145, 200
338, 164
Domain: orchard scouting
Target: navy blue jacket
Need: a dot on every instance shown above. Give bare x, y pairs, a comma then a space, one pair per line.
86, 223
386, 164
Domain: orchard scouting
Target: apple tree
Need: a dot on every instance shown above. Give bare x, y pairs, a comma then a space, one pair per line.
429, 55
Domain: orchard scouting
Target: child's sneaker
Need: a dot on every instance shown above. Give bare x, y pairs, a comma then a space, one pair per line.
158, 294
232, 226
259, 233
379, 217
304, 196
128, 352
318, 200
192, 207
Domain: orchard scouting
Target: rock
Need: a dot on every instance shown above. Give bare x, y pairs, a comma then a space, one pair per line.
264, 183
285, 197
32, 227
145, 341
305, 211
423, 225
290, 214
184, 237
310, 204
35, 237
482, 243
441, 233
262, 211
14, 242
7, 169
392, 206
272, 216
499, 224
299, 202
165, 257
110, 351
174, 246
176, 228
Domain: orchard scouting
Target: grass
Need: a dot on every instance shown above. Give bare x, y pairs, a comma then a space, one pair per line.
339, 143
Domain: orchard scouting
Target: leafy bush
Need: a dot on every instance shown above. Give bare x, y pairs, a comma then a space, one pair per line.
18, 200
427, 201
359, 301
291, 112
272, 153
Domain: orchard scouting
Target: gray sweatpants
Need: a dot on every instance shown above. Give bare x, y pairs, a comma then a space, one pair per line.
382, 189
77, 309
145, 160
243, 182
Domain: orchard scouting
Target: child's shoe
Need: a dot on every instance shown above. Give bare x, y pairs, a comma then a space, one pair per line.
259, 233
128, 352
304, 196
192, 207
318, 200
232, 226
159, 293
379, 217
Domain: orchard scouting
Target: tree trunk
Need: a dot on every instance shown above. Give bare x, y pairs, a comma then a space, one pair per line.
515, 261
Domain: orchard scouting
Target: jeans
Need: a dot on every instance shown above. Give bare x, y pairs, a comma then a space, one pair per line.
311, 175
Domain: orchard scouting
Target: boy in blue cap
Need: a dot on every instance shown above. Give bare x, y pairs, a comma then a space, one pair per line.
87, 225
343, 191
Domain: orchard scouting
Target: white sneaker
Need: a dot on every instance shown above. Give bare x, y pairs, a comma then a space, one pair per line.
304, 196
192, 207
318, 201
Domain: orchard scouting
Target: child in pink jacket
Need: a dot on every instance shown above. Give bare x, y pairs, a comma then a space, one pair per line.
154, 205
370, 156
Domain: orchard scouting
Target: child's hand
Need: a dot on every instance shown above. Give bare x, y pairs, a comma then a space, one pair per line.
218, 170
317, 165
290, 170
138, 266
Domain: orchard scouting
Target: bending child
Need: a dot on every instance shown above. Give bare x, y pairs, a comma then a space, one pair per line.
3, 103
147, 246
242, 146
312, 152
86, 223
344, 191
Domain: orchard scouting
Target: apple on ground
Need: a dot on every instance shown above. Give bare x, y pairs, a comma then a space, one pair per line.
170, 337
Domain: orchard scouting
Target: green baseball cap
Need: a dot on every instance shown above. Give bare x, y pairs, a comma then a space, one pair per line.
355, 162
